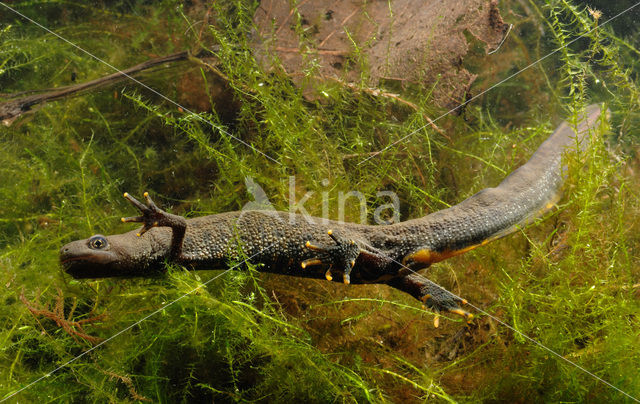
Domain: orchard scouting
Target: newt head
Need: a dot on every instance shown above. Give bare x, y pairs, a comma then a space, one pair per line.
120, 255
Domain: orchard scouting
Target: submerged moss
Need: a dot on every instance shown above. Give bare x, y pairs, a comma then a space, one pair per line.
569, 282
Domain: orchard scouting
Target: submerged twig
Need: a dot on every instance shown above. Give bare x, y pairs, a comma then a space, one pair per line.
504, 38
13, 108
311, 50
126, 380
369, 154
380, 93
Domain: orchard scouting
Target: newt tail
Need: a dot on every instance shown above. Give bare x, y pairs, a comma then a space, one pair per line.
303, 246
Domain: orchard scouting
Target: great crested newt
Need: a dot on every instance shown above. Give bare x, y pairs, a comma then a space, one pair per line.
304, 246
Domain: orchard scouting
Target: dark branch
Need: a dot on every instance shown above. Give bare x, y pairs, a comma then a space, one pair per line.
13, 108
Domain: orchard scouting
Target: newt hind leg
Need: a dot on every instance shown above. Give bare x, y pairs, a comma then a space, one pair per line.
432, 295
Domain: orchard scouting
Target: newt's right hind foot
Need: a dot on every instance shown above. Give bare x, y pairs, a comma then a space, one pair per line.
432, 296
444, 301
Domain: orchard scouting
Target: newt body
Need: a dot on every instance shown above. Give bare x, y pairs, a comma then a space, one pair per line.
303, 246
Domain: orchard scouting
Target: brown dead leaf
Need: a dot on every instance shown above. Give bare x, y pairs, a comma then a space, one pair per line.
410, 41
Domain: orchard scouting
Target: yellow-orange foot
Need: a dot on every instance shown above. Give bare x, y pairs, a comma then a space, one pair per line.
341, 256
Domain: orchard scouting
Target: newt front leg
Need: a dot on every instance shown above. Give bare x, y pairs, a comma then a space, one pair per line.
342, 255
153, 216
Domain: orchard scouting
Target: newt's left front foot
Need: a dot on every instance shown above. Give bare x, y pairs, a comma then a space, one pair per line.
153, 216
342, 255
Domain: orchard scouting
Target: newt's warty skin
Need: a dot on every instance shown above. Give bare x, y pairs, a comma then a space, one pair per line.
291, 244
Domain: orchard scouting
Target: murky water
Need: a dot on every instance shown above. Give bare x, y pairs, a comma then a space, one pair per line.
394, 109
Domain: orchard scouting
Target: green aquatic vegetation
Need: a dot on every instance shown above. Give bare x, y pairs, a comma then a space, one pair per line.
569, 282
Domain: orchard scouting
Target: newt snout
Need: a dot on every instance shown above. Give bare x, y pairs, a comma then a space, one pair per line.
79, 260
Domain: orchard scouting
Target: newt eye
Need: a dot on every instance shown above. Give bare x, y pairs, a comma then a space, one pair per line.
97, 242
